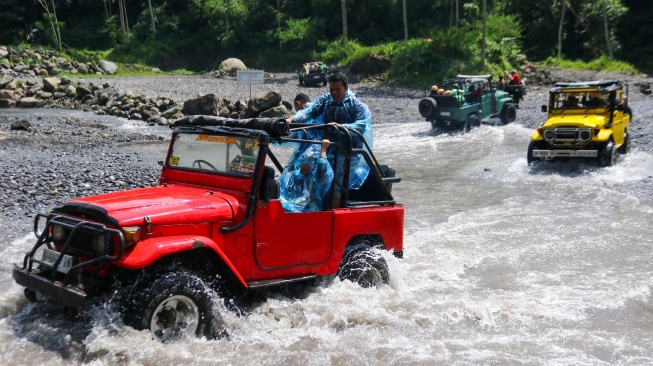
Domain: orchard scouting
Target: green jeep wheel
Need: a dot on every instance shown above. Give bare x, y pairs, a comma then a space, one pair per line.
472, 121
508, 114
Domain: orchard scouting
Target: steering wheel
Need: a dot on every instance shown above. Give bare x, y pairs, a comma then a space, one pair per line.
199, 163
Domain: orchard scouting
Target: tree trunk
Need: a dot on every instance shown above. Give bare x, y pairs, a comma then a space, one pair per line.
52, 18
483, 45
122, 19
124, 8
344, 18
56, 24
405, 21
149, 3
607, 34
457, 17
560, 27
451, 15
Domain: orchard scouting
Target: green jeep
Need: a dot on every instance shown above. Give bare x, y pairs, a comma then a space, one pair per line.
465, 100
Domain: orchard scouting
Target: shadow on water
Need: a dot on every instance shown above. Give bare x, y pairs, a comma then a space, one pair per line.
46, 325
569, 168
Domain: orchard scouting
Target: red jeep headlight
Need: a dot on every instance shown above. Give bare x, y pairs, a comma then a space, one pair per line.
131, 234
100, 245
58, 234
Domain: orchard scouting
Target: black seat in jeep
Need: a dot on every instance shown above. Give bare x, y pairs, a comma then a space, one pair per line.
263, 190
374, 188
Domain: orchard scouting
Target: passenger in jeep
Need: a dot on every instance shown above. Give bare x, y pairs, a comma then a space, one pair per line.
304, 188
300, 102
514, 77
341, 107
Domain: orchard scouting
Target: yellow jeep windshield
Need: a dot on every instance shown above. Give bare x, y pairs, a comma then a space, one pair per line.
234, 155
580, 99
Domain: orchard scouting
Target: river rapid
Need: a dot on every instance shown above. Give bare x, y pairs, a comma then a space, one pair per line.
504, 264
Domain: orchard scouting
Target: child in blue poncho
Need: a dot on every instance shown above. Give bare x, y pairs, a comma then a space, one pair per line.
304, 188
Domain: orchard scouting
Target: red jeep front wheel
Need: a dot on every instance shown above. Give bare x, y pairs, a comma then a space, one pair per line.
174, 306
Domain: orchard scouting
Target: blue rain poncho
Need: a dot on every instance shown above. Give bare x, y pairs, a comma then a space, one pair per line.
354, 115
306, 192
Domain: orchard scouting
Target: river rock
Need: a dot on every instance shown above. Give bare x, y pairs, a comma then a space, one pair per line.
207, 104
261, 102
108, 67
231, 65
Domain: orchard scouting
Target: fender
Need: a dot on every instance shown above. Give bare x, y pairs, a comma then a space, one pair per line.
150, 250
503, 101
536, 136
604, 135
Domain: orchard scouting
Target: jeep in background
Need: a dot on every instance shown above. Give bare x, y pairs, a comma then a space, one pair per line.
313, 73
465, 100
213, 226
516, 92
585, 120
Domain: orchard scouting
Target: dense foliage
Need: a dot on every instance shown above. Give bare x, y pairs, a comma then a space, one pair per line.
444, 36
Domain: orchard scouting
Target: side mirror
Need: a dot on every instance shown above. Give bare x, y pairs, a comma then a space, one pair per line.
544, 108
272, 190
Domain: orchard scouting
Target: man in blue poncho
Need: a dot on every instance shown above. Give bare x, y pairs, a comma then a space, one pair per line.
341, 107
304, 188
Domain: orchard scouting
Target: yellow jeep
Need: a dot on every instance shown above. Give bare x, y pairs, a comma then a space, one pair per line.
584, 120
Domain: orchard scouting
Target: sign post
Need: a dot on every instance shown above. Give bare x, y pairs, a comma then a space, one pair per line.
250, 77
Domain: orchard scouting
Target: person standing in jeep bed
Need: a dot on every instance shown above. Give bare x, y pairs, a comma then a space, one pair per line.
514, 77
341, 107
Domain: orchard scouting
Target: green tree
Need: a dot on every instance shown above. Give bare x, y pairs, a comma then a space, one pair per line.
602, 16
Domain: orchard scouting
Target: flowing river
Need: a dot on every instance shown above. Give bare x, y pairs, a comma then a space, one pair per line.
503, 264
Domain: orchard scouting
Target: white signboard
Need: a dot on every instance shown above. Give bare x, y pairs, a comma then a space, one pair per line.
249, 76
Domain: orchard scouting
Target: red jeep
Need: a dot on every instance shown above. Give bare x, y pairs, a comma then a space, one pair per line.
213, 226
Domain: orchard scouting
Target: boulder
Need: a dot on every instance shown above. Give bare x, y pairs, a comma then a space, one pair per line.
51, 84
261, 102
172, 110
231, 65
83, 91
29, 102
7, 103
108, 67
4, 81
278, 111
207, 104
7, 94
22, 125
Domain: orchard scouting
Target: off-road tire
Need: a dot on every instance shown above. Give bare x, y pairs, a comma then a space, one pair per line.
324, 82
624, 149
365, 267
301, 81
629, 112
508, 114
607, 154
427, 106
472, 121
529, 155
179, 302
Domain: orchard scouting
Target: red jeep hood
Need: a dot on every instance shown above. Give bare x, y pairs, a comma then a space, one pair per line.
164, 205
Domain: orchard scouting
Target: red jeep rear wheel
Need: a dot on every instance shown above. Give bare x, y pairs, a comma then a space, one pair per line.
365, 267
